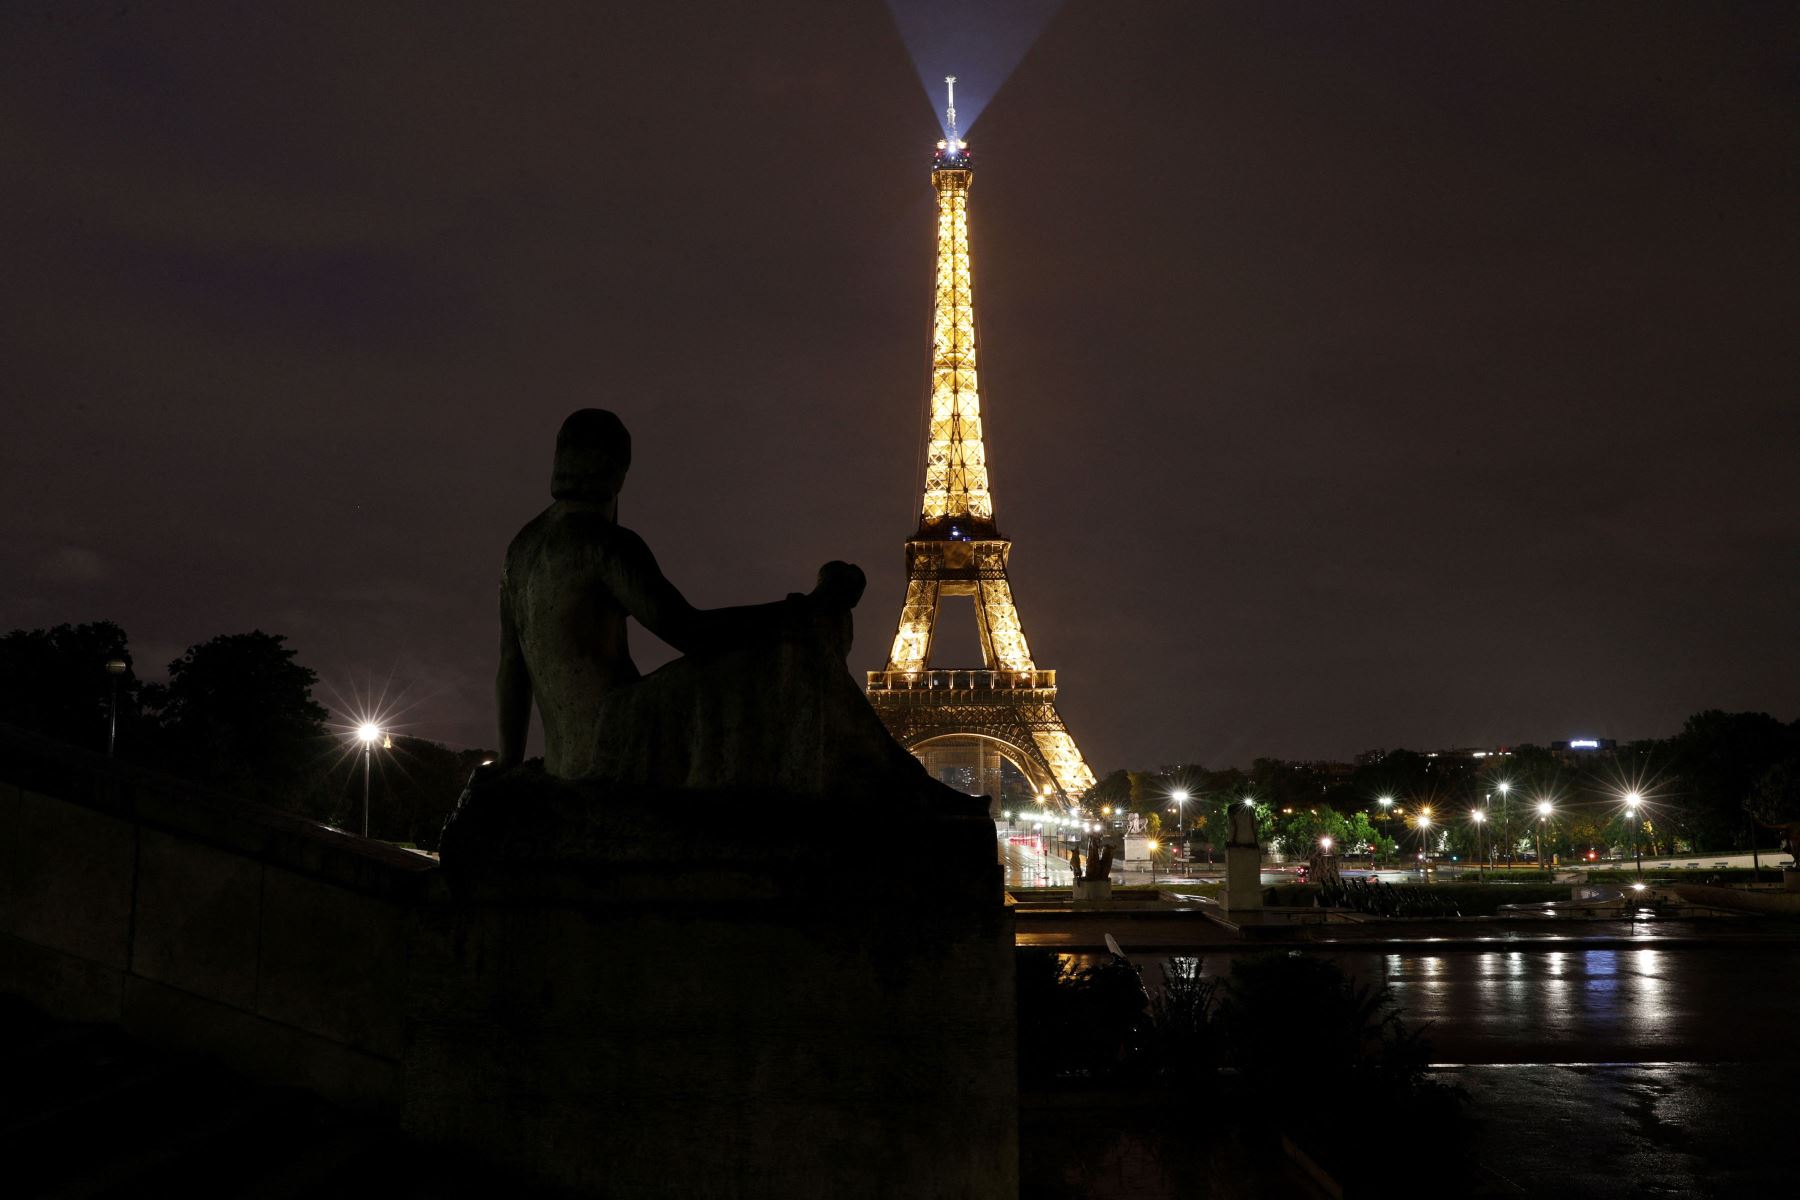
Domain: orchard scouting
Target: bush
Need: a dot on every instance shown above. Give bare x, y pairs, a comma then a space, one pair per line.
1290, 1019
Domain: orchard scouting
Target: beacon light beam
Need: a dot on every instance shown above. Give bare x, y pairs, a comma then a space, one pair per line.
983, 42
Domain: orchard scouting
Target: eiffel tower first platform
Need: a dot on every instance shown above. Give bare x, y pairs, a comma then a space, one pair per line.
1005, 708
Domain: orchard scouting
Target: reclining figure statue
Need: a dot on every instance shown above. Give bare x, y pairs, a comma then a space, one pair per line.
761, 700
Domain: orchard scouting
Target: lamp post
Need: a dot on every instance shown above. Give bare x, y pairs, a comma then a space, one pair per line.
1425, 842
1387, 807
369, 733
1632, 800
1180, 797
1504, 787
1150, 846
1478, 816
1544, 810
115, 667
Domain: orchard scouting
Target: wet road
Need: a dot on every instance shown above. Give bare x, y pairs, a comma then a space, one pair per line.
1736, 1002
1647, 1004
1650, 1071
1651, 1130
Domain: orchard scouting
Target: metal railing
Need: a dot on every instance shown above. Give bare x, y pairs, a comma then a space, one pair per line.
963, 680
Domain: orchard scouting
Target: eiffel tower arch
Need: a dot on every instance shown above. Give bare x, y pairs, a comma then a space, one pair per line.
1007, 705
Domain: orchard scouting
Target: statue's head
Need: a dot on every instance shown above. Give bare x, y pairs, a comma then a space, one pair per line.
593, 452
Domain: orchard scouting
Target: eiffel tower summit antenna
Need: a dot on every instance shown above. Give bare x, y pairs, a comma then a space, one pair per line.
1006, 708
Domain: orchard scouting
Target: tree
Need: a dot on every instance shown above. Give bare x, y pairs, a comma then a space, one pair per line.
238, 712
1114, 789
1720, 758
55, 682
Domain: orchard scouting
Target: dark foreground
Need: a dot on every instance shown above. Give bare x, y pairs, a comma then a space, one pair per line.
1657, 1066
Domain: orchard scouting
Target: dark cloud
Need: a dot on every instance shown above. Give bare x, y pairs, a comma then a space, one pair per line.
1356, 375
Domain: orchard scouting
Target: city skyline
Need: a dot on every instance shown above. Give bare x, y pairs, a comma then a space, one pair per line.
1339, 395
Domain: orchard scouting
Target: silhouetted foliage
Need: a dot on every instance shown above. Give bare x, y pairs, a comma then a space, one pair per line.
1088, 1022
55, 682
1288, 1019
238, 713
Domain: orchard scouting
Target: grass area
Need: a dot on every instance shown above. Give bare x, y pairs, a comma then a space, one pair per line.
1195, 887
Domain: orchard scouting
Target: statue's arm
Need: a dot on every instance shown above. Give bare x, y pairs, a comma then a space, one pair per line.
659, 606
512, 686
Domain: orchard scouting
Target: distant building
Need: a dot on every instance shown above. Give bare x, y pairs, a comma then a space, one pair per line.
1579, 748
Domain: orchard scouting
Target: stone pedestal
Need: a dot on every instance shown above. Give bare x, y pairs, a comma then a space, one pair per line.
1243, 878
1089, 891
681, 995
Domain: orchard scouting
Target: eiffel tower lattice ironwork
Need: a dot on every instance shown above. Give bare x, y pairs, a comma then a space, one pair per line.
1008, 704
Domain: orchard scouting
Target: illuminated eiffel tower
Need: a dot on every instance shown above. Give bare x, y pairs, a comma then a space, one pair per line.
1006, 708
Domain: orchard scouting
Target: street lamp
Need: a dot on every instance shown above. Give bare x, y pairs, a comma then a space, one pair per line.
1180, 796
115, 667
368, 733
1150, 847
1544, 810
1632, 800
1478, 816
1425, 841
1504, 787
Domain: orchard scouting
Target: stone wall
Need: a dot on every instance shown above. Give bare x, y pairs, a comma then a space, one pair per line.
666, 1016
200, 923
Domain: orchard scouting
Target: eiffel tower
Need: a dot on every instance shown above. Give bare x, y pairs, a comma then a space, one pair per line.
1006, 708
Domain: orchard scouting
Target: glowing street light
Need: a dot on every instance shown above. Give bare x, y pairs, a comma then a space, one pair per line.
1150, 847
1325, 844
1424, 822
368, 733
1544, 809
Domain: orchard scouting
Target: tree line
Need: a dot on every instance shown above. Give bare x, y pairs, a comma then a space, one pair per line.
1711, 787
235, 713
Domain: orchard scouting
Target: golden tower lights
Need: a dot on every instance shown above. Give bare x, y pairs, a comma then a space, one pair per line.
958, 550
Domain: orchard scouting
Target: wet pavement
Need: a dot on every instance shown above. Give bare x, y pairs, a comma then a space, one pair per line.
1661, 1069
1662, 1129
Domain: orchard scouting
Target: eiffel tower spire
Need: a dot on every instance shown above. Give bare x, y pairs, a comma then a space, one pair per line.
1007, 706
956, 478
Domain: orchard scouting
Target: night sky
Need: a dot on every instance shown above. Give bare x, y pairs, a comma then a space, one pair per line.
1355, 375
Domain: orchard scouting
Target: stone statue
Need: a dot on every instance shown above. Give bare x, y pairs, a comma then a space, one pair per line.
761, 699
1790, 837
1100, 860
1243, 826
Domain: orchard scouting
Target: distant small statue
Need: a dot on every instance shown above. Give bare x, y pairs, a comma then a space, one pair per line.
1323, 868
1099, 860
1243, 826
761, 699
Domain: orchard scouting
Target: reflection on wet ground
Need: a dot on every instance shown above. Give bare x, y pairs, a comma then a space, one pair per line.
1605, 1072
1639, 1004
1645, 1129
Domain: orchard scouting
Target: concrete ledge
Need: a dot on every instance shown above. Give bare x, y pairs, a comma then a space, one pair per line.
260, 1048
74, 988
66, 876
